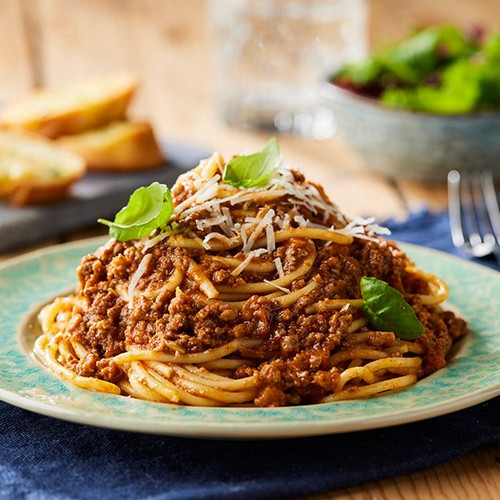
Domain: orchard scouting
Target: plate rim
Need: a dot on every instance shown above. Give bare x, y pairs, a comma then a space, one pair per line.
235, 430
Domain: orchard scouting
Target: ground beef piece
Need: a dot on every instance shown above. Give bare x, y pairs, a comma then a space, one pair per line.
98, 329
307, 377
293, 253
435, 342
109, 370
212, 324
289, 343
342, 276
457, 327
413, 283
161, 302
75, 324
184, 188
270, 385
314, 386
310, 329
311, 360
119, 268
91, 272
380, 339
176, 323
104, 338
385, 262
338, 329
270, 396
87, 366
221, 276
259, 312
435, 348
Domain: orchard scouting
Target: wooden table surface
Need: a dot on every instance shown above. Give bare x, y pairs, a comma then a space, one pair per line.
168, 44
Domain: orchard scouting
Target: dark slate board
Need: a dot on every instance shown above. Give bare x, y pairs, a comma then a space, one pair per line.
96, 195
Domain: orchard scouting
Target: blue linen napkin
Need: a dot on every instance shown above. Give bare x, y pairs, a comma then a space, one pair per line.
433, 231
45, 458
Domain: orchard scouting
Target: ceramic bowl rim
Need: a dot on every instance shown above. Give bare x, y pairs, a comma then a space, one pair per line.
332, 90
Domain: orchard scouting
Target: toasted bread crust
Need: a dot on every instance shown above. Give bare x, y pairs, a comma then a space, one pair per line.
71, 109
34, 171
121, 146
33, 194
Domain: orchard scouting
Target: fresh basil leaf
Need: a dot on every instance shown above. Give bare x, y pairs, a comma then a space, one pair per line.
148, 208
388, 311
252, 170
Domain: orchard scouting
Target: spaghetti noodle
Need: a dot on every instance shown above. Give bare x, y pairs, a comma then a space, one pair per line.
247, 296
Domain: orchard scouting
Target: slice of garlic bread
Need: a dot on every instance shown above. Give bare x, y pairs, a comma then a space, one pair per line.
72, 108
119, 146
34, 170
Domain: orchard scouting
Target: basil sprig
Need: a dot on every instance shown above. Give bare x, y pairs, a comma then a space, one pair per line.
388, 311
148, 208
253, 170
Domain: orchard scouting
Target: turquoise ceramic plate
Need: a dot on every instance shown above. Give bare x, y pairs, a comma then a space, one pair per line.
471, 377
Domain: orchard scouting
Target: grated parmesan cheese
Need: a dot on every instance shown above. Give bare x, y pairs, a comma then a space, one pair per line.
241, 267
229, 219
153, 241
271, 242
359, 227
213, 235
279, 267
282, 288
218, 220
141, 269
301, 221
265, 221
198, 196
214, 221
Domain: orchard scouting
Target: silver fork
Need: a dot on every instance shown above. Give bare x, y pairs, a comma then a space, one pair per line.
474, 213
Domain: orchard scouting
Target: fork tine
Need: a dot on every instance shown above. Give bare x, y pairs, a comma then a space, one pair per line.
474, 216
492, 208
455, 209
474, 213
490, 199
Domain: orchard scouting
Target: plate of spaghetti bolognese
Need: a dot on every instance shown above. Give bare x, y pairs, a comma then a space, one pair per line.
242, 303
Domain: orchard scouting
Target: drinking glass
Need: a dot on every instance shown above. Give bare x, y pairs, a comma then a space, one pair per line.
272, 58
